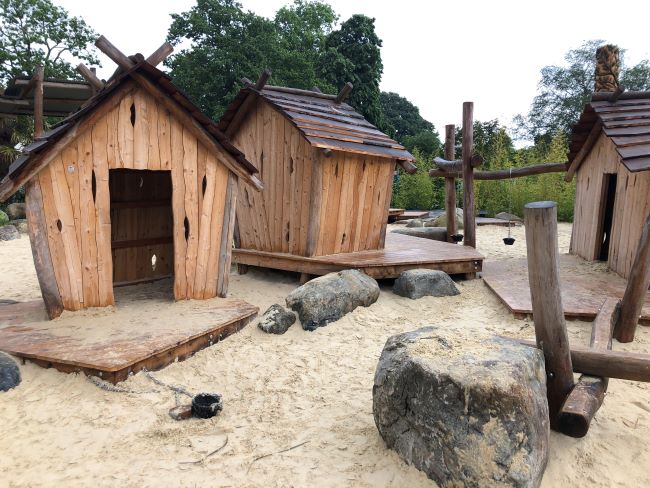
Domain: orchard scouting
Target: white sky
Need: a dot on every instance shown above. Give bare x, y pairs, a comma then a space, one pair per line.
436, 54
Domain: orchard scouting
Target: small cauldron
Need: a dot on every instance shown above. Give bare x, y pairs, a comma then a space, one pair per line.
206, 405
508, 241
457, 237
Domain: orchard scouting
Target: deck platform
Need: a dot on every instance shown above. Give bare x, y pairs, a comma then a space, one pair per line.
412, 214
401, 252
111, 343
584, 287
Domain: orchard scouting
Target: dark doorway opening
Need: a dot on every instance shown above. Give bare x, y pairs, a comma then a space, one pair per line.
141, 226
606, 217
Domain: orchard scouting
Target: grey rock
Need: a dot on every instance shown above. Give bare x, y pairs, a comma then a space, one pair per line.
434, 233
417, 283
414, 223
276, 320
441, 220
328, 298
16, 211
20, 225
508, 216
466, 407
9, 372
8, 233
4, 218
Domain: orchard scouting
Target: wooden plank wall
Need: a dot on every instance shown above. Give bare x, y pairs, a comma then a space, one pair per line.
137, 135
347, 209
631, 208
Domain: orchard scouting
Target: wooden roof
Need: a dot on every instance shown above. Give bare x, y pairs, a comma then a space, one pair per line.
323, 122
626, 121
28, 161
60, 97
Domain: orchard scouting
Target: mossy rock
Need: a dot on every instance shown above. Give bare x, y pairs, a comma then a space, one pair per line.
4, 218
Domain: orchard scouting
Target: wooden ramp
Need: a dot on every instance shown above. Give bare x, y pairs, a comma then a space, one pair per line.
401, 252
113, 342
585, 286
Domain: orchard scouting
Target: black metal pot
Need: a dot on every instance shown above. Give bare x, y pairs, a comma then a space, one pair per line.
206, 405
508, 241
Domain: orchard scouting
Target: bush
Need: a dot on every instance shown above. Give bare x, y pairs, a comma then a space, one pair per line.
418, 191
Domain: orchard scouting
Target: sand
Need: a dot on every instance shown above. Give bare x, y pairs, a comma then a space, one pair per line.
307, 389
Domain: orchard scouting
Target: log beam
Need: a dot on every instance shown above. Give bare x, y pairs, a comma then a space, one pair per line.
546, 298
504, 174
160, 54
90, 77
343, 94
456, 165
408, 166
469, 219
118, 57
636, 289
450, 183
39, 77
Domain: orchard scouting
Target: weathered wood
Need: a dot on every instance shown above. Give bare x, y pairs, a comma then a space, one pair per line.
40, 249
298, 91
344, 93
408, 166
504, 174
607, 364
38, 101
248, 104
594, 134
548, 315
469, 219
450, 183
456, 165
637, 287
628, 95
160, 54
616, 94
90, 77
225, 254
121, 59
588, 394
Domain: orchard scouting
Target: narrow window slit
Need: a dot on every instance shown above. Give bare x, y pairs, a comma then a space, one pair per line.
186, 223
133, 114
204, 185
94, 186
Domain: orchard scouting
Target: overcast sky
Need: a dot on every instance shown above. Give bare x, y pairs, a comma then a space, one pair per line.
436, 54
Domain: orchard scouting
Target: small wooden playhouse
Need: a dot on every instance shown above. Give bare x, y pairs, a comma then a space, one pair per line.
328, 177
136, 185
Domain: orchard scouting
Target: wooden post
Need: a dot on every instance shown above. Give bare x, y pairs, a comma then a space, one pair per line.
469, 220
587, 396
548, 314
636, 289
38, 102
450, 182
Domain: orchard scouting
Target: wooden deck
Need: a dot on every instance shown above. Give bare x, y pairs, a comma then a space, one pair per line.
584, 287
111, 343
401, 253
493, 221
412, 214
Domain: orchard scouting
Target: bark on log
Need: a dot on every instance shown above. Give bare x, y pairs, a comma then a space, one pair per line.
469, 219
408, 166
546, 298
160, 54
450, 183
38, 102
121, 59
504, 174
607, 68
456, 165
90, 77
636, 289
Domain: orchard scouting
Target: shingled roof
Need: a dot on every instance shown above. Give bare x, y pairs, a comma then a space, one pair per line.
626, 121
323, 122
31, 154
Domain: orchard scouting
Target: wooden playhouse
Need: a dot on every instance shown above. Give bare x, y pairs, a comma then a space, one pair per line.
610, 157
328, 177
136, 185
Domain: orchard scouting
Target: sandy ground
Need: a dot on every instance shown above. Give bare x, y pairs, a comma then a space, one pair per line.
307, 389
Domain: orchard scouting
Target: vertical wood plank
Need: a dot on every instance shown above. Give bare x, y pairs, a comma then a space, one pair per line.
141, 131
388, 194
216, 227
125, 133
164, 139
178, 209
154, 114
225, 252
190, 161
205, 243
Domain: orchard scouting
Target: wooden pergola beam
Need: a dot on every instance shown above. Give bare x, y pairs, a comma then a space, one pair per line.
504, 174
90, 77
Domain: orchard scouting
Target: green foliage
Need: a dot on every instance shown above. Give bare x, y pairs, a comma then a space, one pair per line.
4, 219
37, 32
418, 191
426, 142
564, 90
353, 54
402, 117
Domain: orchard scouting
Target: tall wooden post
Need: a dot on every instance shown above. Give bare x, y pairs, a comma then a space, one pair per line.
469, 220
636, 289
38, 101
548, 314
450, 182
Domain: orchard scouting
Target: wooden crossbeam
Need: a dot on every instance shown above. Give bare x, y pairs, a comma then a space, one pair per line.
501, 174
160, 54
343, 94
90, 77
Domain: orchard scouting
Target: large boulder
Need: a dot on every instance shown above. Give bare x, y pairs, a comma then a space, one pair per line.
466, 407
328, 298
16, 211
417, 283
8, 233
433, 233
508, 216
20, 225
4, 218
276, 320
9, 372
414, 223
441, 220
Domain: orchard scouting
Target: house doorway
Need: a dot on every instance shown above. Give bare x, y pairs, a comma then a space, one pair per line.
141, 226
606, 216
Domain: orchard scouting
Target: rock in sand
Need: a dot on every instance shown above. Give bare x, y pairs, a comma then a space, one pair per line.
413, 223
16, 211
433, 233
276, 320
9, 372
464, 406
417, 283
20, 225
508, 216
8, 233
328, 298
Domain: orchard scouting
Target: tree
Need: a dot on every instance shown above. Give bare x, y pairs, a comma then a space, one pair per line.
426, 142
36, 32
564, 90
353, 54
402, 116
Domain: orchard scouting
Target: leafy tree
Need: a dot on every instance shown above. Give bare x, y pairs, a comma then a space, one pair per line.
37, 32
426, 142
564, 90
353, 54
418, 191
402, 116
